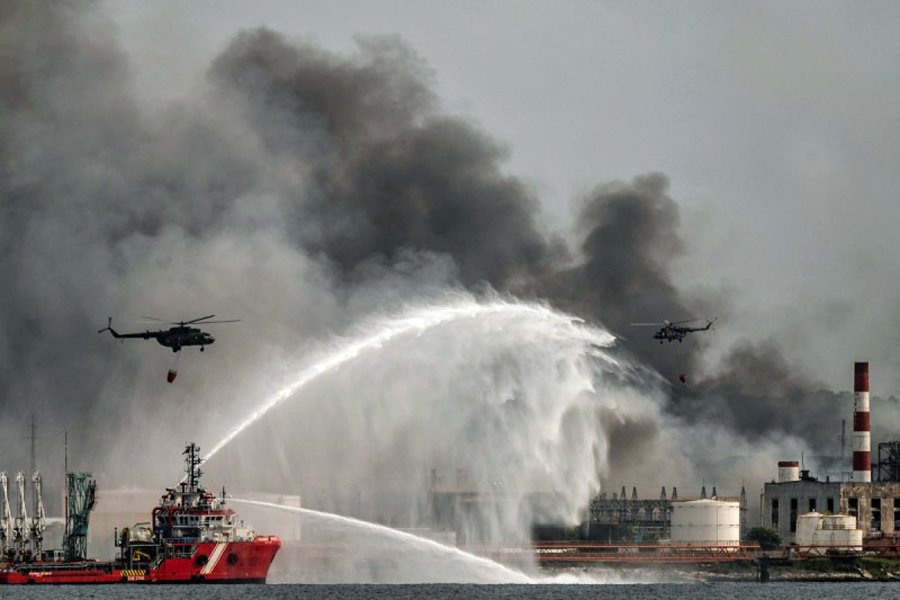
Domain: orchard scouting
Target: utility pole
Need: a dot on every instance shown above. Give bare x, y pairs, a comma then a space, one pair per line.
843, 437
33, 447
66, 477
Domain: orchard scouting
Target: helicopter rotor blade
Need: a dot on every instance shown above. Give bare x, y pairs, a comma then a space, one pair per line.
197, 320
649, 324
182, 323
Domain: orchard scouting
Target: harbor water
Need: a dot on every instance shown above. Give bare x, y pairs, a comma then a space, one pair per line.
693, 591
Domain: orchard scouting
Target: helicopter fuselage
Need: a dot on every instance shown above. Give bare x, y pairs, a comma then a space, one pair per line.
669, 334
177, 337
674, 333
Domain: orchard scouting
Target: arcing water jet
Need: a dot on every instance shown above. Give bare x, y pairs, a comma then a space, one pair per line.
415, 321
507, 403
472, 566
465, 567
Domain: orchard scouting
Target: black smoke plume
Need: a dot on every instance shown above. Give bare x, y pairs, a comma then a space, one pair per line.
629, 238
387, 171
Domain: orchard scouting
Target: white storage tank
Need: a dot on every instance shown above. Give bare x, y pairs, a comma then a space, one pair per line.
818, 533
788, 470
807, 524
838, 522
706, 523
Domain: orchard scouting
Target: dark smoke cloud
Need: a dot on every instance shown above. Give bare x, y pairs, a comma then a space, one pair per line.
629, 240
757, 392
393, 172
298, 174
304, 175
62, 91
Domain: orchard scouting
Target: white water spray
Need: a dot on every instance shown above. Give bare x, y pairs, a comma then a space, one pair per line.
508, 405
415, 321
470, 566
447, 564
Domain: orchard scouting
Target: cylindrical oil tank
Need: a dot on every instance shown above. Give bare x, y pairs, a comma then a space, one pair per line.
788, 470
838, 522
807, 524
837, 532
706, 523
843, 540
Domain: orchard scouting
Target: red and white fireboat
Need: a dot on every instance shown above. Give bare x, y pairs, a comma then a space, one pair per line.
192, 538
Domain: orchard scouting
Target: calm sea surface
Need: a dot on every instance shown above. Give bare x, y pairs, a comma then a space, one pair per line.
736, 591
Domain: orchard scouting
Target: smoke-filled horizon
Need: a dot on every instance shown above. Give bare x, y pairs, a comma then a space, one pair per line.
303, 191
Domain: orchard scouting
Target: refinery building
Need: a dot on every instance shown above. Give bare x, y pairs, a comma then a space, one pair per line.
874, 505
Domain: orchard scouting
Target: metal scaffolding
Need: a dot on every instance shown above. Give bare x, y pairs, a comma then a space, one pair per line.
81, 496
888, 466
644, 519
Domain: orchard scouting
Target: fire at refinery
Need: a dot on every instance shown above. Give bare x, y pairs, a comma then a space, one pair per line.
432, 277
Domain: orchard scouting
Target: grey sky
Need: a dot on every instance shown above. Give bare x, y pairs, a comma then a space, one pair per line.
777, 124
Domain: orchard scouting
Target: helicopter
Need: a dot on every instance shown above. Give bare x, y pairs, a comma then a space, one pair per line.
672, 331
175, 337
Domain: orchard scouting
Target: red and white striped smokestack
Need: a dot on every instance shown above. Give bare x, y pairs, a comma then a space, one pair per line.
862, 438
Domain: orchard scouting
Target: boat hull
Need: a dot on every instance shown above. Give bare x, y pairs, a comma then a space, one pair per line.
207, 562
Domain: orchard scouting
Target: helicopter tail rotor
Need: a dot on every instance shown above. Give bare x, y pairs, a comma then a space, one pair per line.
108, 326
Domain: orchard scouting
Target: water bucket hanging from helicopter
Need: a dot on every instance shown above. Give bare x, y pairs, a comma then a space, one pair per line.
173, 370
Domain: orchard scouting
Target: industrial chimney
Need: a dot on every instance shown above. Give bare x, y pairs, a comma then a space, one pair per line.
862, 440
788, 470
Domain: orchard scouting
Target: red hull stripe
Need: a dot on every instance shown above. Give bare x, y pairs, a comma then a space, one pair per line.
250, 564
